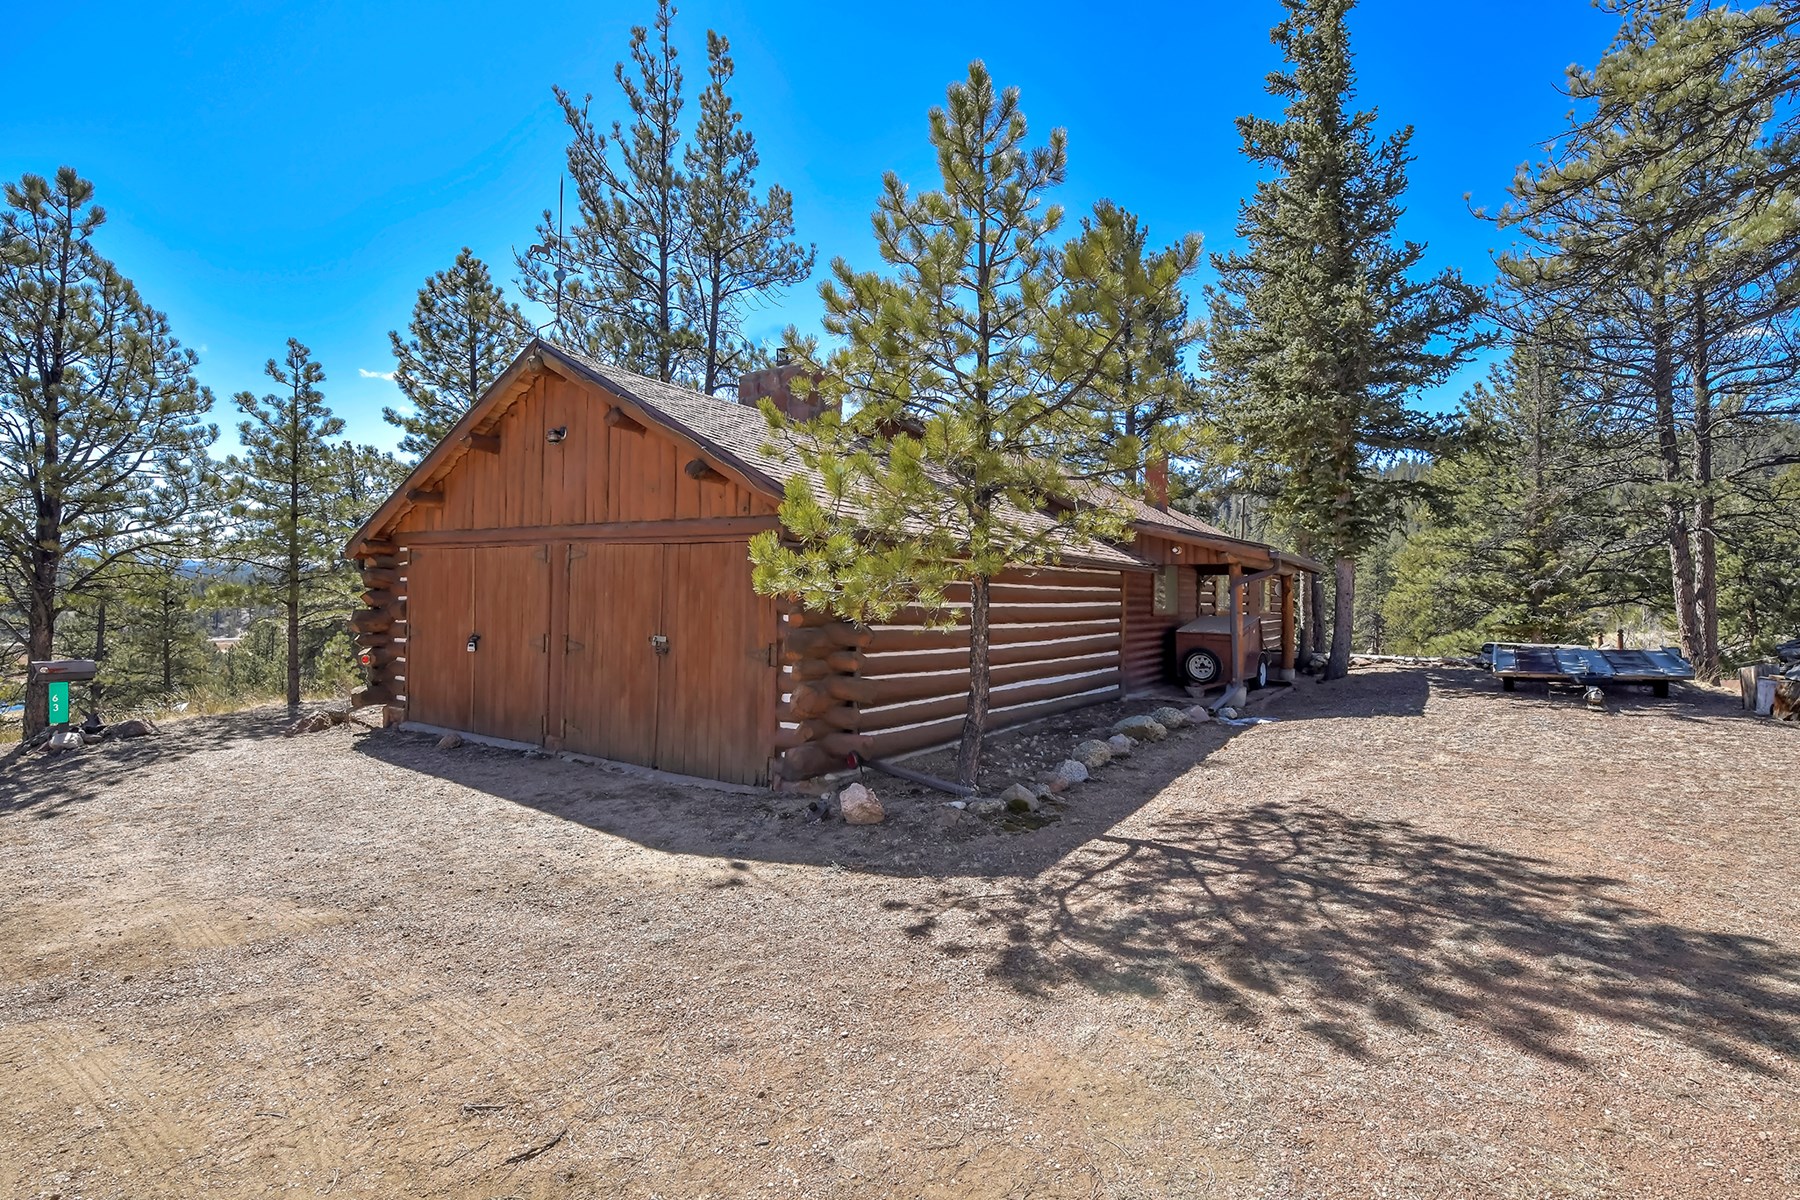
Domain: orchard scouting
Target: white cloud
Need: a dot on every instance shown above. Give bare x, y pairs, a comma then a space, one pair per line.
368, 374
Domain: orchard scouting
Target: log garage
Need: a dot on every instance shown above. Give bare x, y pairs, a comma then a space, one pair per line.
569, 568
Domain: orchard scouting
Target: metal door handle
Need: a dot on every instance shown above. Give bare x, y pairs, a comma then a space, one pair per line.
659, 643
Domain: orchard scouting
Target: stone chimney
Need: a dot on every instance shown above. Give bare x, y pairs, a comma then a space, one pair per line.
1156, 482
776, 383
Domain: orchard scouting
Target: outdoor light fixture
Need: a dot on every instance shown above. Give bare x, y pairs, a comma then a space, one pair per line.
365, 658
556, 435
474, 640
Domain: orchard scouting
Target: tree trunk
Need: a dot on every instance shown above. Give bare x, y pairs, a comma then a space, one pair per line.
168, 644
293, 642
1315, 614
1343, 618
40, 640
968, 759
1668, 450
1706, 583
97, 689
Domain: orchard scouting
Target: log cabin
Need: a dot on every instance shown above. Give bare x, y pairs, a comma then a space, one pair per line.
569, 569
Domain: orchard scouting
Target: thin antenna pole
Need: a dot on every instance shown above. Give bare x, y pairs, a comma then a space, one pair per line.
562, 187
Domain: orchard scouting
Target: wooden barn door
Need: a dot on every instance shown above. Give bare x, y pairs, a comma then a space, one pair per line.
510, 665
668, 659
611, 668
440, 614
711, 717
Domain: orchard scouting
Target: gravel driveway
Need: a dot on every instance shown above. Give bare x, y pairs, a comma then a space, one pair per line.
1414, 938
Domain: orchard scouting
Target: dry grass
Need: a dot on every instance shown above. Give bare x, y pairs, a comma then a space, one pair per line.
1415, 939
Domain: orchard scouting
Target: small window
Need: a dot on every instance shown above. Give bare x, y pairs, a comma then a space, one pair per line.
1165, 596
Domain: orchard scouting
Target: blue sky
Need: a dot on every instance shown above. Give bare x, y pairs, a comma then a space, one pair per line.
274, 170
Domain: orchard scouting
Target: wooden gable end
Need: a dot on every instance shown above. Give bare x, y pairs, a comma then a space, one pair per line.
512, 476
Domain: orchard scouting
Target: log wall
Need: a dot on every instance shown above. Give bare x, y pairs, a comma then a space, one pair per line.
1149, 638
903, 685
380, 626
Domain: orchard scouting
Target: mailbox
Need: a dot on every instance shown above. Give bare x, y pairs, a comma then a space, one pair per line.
64, 670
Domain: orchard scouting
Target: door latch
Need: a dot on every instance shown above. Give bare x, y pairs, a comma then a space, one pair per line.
659, 643
474, 641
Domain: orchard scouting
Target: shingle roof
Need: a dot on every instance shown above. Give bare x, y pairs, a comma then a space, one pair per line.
738, 435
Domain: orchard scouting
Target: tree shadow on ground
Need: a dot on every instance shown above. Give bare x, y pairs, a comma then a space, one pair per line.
1350, 925
42, 786
921, 837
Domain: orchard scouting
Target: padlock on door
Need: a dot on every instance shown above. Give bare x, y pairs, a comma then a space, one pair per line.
659, 643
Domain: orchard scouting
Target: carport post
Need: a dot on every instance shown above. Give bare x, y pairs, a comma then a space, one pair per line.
1234, 572
1287, 627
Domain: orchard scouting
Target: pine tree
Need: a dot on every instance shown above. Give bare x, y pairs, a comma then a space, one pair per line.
1321, 336
464, 334
1134, 292
1658, 217
741, 248
968, 447
285, 502
102, 430
1525, 538
626, 254
159, 646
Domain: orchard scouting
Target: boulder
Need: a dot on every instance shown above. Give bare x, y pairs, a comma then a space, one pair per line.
62, 738
1092, 754
1019, 798
1141, 729
986, 806
1120, 745
1228, 714
316, 721
133, 728
1170, 717
1067, 774
1198, 714
449, 741
860, 806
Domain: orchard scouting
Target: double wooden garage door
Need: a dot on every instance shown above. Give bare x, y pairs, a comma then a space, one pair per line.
666, 654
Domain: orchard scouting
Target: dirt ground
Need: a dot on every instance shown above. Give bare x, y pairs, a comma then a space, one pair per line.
1415, 938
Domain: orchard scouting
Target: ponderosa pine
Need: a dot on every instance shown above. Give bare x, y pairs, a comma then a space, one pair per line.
103, 433
464, 334
968, 439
